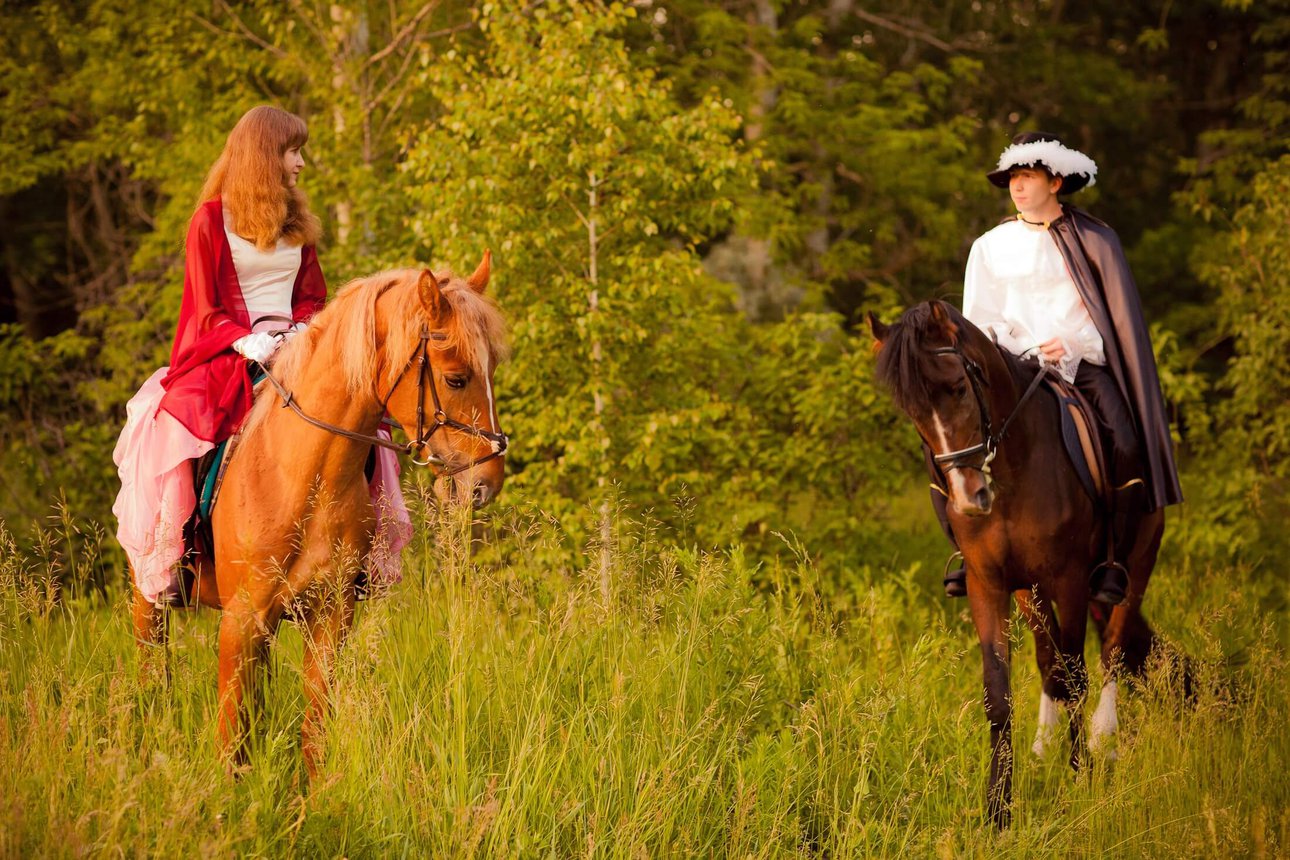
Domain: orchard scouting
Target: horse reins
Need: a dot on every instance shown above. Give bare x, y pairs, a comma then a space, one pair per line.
990, 441
425, 379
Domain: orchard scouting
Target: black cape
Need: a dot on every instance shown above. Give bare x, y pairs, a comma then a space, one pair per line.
1096, 262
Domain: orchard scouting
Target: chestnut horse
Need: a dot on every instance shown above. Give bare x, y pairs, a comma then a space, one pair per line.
295, 521
1022, 520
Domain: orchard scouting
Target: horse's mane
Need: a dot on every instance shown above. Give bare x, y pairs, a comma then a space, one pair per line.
474, 328
904, 351
900, 361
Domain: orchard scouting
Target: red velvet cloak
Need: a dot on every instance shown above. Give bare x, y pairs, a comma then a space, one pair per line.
208, 388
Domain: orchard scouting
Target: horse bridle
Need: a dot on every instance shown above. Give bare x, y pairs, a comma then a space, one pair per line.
990, 441
425, 379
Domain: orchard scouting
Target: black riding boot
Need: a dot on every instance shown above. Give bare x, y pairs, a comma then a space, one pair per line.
1109, 582
955, 576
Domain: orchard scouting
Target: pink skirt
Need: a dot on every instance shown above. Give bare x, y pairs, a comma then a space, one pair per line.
157, 496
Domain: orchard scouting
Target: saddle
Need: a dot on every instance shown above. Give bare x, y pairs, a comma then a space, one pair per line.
1081, 439
208, 477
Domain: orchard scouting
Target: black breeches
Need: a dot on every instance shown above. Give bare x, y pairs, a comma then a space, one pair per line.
1119, 433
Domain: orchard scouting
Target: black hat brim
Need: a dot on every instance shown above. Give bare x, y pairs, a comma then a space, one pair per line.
1070, 184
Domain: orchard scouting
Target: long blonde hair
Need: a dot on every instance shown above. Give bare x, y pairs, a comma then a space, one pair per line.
249, 178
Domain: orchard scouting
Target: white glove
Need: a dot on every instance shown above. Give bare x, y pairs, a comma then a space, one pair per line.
258, 346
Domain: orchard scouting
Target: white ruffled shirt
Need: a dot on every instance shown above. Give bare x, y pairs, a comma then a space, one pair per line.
267, 278
1017, 288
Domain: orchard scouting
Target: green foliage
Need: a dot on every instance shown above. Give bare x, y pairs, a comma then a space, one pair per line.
632, 367
593, 207
46, 439
815, 155
1250, 444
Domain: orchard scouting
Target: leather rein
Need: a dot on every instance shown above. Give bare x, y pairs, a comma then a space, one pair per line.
425, 429
990, 441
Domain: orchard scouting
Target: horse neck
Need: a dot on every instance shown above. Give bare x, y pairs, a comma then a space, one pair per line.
321, 392
1029, 429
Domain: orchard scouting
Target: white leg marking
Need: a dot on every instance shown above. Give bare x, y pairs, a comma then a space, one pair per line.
1047, 731
1105, 720
957, 484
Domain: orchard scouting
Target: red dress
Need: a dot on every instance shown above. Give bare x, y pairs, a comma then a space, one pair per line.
208, 388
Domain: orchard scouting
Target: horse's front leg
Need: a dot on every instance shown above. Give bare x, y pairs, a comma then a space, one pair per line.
244, 633
1038, 611
329, 622
990, 614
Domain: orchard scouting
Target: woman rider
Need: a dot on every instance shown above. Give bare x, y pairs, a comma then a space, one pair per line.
251, 281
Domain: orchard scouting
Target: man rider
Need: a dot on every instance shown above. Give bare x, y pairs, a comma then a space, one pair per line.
1052, 284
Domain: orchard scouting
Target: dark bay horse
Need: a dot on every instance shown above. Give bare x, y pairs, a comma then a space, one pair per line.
295, 521
1022, 520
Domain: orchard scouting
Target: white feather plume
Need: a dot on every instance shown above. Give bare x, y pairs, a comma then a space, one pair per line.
1059, 160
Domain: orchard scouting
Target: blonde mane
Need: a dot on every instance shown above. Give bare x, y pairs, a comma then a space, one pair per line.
474, 329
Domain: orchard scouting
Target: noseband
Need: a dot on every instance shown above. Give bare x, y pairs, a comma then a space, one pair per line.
425, 379
990, 441
425, 430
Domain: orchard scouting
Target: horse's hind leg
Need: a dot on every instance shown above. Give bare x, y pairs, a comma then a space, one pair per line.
1042, 621
151, 634
1071, 674
1126, 636
327, 628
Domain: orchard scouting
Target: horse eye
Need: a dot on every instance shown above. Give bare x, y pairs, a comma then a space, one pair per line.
457, 381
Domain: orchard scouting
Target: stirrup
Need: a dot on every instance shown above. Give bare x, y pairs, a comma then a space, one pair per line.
955, 581
362, 586
1109, 583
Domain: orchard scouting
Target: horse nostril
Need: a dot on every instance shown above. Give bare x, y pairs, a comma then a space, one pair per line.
982, 498
480, 495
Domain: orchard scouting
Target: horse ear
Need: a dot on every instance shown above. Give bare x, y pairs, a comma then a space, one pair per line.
479, 280
431, 295
877, 328
942, 318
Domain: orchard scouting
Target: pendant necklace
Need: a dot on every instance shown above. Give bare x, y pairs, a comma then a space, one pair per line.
1023, 220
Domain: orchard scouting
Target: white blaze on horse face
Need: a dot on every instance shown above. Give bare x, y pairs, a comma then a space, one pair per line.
1047, 731
493, 423
958, 487
1105, 719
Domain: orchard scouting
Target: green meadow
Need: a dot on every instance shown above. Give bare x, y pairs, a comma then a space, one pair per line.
673, 703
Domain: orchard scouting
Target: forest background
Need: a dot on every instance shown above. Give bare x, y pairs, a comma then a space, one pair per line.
758, 174
690, 205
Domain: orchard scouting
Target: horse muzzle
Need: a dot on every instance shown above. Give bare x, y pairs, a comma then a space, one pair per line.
476, 485
976, 503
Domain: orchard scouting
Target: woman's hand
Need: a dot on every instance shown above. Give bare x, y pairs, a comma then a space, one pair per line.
258, 347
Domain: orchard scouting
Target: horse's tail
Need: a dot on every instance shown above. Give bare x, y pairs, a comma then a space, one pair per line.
1138, 642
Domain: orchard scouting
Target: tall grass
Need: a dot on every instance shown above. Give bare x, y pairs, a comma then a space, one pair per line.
505, 704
